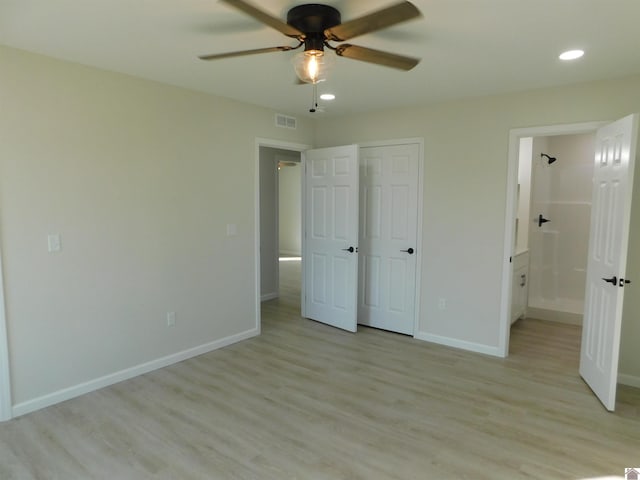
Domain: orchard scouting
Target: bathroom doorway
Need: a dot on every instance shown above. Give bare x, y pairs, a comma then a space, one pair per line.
607, 244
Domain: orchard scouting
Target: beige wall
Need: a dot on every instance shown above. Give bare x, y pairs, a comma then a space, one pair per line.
465, 174
140, 180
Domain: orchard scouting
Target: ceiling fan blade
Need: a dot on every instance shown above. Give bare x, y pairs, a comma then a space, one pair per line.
379, 57
217, 56
265, 18
400, 12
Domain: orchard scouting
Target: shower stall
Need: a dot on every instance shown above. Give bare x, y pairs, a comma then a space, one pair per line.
560, 211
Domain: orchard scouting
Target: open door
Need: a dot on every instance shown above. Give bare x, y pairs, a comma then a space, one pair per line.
330, 240
608, 239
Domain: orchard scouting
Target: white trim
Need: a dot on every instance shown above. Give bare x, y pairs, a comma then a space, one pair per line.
303, 233
98, 383
269, 143
276, 206
268, 296
418, 284
5, 372
510, 212
421, 170
630, 380
569, 318
461, 344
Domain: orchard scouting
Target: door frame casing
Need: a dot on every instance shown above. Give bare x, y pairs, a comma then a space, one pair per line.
5, 371
511, 211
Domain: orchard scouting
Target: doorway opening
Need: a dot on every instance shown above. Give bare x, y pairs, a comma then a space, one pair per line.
277, 164
280, 217
552, 226
519, 224
607, 245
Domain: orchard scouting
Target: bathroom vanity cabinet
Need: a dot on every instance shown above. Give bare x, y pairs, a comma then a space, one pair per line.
520, 285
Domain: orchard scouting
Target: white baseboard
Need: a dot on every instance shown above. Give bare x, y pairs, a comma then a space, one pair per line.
554, 315
268, 296
461, 344
629, 380
98, 383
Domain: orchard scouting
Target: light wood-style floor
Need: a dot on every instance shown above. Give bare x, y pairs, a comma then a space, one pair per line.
307, 401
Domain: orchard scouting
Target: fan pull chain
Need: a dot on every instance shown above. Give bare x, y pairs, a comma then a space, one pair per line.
314, 99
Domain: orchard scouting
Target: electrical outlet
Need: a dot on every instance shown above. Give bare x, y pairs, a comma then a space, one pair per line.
171, 319
442, 303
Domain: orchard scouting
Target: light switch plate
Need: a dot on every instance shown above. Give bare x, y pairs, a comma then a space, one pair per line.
232, 229
53, 242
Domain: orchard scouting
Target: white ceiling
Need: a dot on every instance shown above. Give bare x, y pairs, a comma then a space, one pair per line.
468, 47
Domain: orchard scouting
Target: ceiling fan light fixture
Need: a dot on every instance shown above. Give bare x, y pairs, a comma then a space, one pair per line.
311, 66
314, 25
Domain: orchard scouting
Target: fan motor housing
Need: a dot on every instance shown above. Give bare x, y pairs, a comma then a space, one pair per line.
313, 19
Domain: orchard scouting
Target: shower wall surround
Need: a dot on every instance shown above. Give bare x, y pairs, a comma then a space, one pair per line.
561, 192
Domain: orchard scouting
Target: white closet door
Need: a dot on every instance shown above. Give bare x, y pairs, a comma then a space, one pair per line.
388, 236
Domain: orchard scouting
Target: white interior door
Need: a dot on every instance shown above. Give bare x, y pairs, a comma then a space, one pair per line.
388, 236
610, 213
330, 258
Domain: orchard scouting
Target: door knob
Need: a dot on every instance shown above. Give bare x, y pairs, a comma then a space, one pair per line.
350, 250
613, 280
408, 250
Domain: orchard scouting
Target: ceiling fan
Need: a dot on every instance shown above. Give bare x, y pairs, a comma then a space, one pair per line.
315, 25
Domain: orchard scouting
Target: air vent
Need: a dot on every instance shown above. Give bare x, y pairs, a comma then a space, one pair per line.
285, 121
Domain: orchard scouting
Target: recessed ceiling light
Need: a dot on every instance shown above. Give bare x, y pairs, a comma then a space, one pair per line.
327, 96
571, 54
